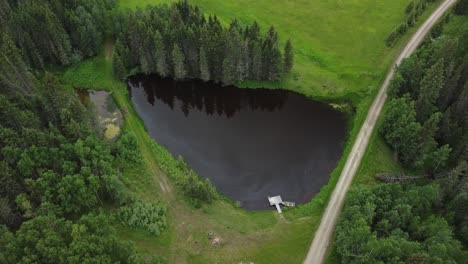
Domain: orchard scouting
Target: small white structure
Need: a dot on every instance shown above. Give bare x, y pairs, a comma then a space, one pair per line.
276, 201
289, 204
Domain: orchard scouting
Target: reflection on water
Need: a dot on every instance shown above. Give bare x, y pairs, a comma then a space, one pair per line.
251, 143
208, 97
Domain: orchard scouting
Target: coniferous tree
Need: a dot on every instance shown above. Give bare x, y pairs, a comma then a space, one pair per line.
401, 131
256, 71
118, 67
90, 38
229, 70
14, 73
288, 57
207, 49
204, 69
160, 53
429, 92
178, 62
271, 58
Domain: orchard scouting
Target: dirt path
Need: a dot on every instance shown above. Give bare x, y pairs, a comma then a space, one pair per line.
324, 233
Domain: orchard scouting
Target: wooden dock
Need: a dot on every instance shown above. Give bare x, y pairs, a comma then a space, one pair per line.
277, 200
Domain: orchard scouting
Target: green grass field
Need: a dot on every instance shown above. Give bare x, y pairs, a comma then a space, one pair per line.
339, 45
340, 54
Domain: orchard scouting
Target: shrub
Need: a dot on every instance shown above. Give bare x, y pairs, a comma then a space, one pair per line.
147, 216
413, 10
126, 148
195, 189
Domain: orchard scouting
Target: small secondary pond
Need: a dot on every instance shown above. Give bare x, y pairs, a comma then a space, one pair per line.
251, 143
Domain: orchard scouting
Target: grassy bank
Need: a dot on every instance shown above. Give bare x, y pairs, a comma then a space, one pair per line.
340, 54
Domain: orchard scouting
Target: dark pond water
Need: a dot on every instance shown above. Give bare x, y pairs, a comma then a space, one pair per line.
251, 143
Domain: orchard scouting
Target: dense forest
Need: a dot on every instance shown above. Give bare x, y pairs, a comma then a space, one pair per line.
426, 124
181, 42
55, 169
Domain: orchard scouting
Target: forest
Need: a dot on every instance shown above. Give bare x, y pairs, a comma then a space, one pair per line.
425, 123
57, 172
175, 40
179, 41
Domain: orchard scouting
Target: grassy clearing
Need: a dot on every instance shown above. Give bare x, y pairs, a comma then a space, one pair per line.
249, 236
340, 53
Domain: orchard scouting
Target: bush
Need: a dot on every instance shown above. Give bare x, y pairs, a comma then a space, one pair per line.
461, 8
195, 189
147, 216
126, 148
413, 10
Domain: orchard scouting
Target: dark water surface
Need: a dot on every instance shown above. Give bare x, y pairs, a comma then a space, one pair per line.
251, 143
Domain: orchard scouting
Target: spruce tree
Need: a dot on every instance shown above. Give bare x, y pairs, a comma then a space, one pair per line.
160, 53
271, 56
178, 62
204, 69
429, 91
229, 70
256, 70
14, 73
118, 67
288, 57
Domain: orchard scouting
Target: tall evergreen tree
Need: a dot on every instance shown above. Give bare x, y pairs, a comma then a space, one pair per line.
160, 53
256, 71
401, 131
118, 67
429, 91
14, 73
178, 62
288, 57
271, 56
204, 68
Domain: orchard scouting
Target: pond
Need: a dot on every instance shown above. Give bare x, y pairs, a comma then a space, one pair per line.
250, 143
109, 117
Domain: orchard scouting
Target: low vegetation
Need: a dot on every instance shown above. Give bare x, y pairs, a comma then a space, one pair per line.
413, 11
150, 217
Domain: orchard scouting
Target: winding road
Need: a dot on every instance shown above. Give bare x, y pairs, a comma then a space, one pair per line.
324, 233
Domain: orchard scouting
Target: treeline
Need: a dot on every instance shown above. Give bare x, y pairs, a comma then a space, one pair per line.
425, 120
413, 11
181, 42
57, 32
177, 40
426, 124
